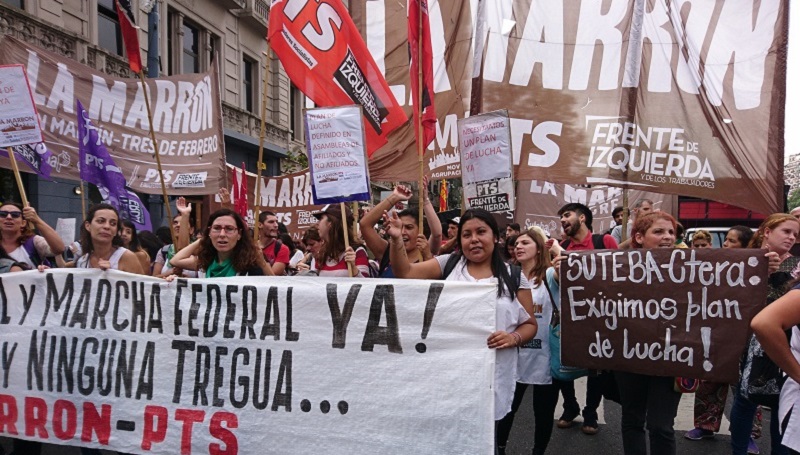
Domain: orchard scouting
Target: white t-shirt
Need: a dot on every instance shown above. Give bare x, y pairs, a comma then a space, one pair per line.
509, 314
41, 247
83, 261
790, 398
533, 365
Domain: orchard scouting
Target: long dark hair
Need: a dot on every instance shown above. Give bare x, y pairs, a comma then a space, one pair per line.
27, 228
745, 234
499, 267
87, 247
333, 247
135, 245
244, 255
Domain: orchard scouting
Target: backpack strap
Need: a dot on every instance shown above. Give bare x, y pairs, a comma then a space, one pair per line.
451, 263
278, 245
597, 241
565, 244
384, 264
516, 274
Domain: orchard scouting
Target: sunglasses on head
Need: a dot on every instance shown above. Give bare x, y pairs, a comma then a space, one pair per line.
5, 213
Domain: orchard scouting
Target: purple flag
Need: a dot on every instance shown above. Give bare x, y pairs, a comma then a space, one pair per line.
36, 156
98, 167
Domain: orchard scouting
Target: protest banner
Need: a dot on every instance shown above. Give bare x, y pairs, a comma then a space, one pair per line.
643, 94
336, 154
485, 150
287, 196
538, 203
138, 365
186, 110
19, 123
663, 312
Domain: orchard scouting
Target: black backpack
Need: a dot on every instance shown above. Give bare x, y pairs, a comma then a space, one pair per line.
515, 271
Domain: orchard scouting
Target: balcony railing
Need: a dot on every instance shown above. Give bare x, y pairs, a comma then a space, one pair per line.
246, 123
257, 11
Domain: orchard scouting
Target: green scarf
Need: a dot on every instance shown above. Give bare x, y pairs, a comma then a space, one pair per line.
220, 270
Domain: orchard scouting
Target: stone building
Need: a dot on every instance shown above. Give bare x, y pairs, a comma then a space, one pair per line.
791, 173
191, 36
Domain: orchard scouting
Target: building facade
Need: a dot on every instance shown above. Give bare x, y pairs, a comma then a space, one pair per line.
187, 36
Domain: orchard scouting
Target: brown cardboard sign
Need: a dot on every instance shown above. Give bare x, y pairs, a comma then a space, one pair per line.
665, 312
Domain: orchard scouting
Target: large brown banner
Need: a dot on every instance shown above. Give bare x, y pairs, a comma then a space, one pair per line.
287, 196
538, 203
661, 312
186, 115
672, 97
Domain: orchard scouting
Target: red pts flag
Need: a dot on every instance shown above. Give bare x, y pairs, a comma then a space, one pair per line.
241, 199
129, 36
415, 7
324, 55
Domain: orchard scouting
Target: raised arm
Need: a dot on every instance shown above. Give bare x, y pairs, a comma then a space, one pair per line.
50, 235
374, 241
185, 211
435, 239
186, 258
770, 325
401, 267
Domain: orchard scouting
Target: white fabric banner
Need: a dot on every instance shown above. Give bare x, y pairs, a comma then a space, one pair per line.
244, 366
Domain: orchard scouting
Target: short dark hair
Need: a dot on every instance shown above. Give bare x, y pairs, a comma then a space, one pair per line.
262, 216
619, 209
514, 226
580, 209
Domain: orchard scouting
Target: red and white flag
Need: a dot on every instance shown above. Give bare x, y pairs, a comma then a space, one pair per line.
326, 58
129, 34
415, 34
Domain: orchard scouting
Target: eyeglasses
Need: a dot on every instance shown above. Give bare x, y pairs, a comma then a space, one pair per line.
228, 229
15, 215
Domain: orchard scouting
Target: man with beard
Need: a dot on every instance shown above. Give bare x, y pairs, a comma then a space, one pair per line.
576, 221
276, 253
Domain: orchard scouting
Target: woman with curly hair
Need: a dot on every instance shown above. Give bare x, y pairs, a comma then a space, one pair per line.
225, 250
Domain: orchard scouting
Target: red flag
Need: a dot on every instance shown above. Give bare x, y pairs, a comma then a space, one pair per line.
129, 35
333, 66
415, 7
241, 199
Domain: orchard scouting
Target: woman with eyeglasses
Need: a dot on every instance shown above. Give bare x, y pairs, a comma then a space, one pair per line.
20, 240
226, 250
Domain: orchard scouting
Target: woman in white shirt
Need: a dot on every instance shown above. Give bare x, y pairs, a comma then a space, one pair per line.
533, 364
479, 261
101, 244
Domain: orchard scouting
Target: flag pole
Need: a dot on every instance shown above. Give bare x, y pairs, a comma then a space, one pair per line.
158, 160
17, 176
420, 148
346, 237
259, 163
83, 201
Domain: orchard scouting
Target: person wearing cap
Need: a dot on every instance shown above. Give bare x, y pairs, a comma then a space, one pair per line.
418, 247
334, 256
452, 235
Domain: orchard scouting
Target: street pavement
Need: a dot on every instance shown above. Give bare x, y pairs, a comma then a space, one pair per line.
572, 441
609, 439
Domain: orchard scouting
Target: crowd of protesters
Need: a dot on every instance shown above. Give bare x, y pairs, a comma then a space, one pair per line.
390, 241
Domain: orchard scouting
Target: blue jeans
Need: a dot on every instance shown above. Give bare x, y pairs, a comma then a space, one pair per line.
742, 414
